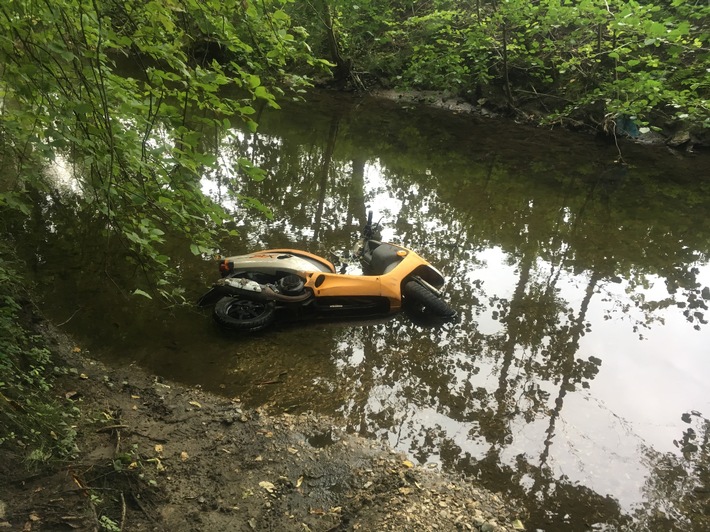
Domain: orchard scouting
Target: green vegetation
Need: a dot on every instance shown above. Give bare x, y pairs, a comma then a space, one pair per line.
31, 423
572, 61
126, 95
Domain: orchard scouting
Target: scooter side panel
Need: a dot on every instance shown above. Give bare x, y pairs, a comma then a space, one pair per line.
320, 263
273, 261
333, 285
388, 285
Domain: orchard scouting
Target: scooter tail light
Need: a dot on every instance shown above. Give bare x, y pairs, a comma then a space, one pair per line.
225, 267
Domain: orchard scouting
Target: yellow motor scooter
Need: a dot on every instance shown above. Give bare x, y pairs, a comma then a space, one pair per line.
258, 288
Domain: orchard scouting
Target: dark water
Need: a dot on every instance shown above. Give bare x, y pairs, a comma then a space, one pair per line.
577, 379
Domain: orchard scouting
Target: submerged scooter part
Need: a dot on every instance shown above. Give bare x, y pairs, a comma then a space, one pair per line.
258, 287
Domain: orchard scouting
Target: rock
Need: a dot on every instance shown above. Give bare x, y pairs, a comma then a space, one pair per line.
679, 138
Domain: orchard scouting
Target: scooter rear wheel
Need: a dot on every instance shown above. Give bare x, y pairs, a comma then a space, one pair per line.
418, 295
244, 314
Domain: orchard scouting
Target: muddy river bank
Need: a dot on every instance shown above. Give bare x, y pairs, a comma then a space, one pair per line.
158, 455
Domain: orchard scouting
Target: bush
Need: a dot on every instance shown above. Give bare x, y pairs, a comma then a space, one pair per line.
34, 424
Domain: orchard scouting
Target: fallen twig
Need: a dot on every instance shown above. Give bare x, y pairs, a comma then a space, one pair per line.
69, 318
142, 507
123, 512
109, 428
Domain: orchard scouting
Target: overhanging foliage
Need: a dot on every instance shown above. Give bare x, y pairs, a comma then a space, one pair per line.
125, 94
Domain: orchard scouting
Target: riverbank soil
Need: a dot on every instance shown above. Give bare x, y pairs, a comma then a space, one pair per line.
154, 455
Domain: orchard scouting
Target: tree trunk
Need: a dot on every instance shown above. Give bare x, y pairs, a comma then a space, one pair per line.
343, 72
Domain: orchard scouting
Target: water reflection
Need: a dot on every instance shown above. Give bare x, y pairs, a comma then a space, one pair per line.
581, 287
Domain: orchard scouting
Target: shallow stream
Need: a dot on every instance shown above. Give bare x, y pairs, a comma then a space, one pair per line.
577, 378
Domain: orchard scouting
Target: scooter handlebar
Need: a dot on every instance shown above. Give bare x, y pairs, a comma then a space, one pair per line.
368, 232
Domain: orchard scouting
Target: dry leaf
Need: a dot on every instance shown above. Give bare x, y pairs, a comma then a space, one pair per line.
76, 350
195, 404
268, 486
71, 394
299, 482
135, 396
407, 463
158, 464
83, 376
184, 456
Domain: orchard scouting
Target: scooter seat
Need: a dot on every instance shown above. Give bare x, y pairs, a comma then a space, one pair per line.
384, 259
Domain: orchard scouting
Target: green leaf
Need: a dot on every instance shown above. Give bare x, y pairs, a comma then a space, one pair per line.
280, 16
199, 250
262, 92
14, 201
139, 292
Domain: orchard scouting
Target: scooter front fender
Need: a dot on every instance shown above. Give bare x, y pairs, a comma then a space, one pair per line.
430, 275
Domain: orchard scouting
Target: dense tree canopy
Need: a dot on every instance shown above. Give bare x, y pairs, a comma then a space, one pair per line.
577, 60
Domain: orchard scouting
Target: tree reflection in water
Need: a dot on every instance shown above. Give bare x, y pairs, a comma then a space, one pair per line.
570, 231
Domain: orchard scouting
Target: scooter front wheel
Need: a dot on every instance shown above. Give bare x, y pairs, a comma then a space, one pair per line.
244, 314
419, 295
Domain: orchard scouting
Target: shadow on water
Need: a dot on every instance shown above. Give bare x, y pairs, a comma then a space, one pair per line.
581, 288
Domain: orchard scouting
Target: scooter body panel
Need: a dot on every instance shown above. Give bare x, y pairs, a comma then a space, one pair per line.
278, 262
388, 285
